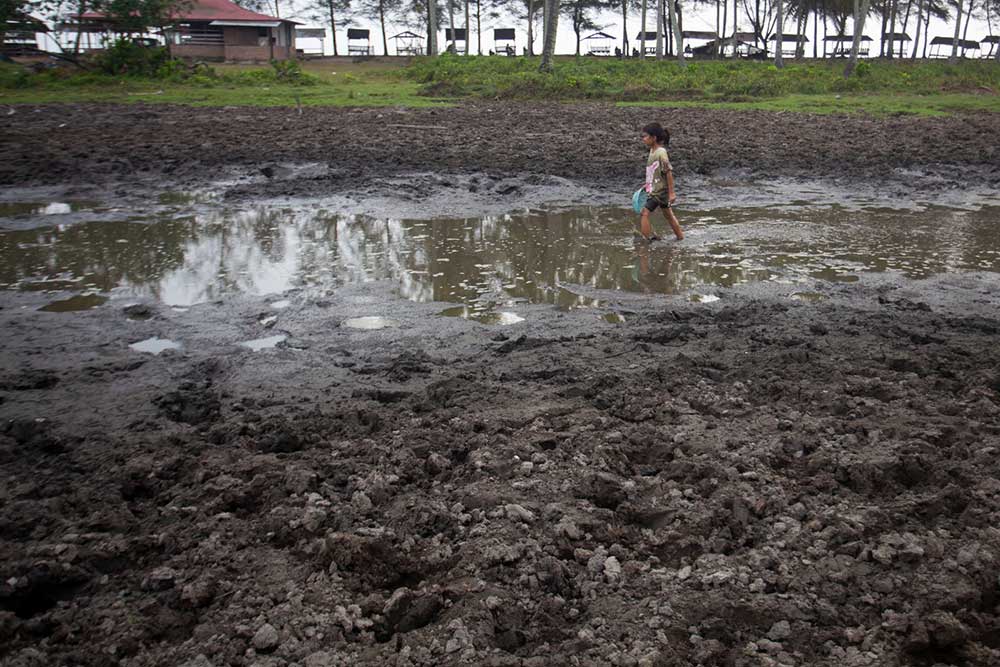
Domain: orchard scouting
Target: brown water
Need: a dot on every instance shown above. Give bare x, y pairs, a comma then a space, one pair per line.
488, 263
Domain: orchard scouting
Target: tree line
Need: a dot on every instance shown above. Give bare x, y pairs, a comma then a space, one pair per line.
766, 20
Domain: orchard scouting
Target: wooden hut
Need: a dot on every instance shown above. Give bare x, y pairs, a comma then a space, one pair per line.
453, 37
992, 43
212, 30
408, 44
797, 42
309, 41
892, 38
503, 42
599, 44
942, 47
359, 42
650, 36
839, 46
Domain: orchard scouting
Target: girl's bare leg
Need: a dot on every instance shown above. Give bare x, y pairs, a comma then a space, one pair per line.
668, 213
645, 228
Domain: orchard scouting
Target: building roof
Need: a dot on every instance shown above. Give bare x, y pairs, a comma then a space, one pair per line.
358, 33
698, 34
789, 38
990, 39
599, 35
845, 38
407, 34
650, 36
503, 34
962, 43
896, 37
208, 10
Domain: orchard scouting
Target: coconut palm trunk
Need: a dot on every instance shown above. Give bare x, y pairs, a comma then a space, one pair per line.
678, 38
642, 33
333, 25
659, 30
551, 26
467, 27
531, 27
859, 28
624, 28
958, 29
381, 20
432, 39
779, 34
916, 42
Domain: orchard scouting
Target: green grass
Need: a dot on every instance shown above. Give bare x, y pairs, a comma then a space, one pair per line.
331, 83
941, 104
878, 88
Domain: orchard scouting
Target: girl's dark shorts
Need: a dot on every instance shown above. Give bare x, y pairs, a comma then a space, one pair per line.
657, 200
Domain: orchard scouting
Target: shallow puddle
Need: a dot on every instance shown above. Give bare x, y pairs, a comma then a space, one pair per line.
483, 316
370, 322
75, 303
155, 345
259, 344
27, 209
492, 263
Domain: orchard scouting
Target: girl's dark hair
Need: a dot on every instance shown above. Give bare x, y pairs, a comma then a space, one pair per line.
658, 132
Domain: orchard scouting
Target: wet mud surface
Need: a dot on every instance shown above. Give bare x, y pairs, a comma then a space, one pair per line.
595, 144
352, 479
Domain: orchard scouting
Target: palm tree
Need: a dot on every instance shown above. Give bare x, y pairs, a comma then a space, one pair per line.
678, 38
859, 29
779, 34
551, 26
958, 28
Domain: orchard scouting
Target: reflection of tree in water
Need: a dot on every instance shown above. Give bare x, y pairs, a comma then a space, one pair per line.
483, 262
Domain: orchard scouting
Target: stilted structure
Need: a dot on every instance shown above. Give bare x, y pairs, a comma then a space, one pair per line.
599, 44
359, 42
839, 46
941, 47
309, 41
792, 46
992, 43
503, 42
898, 51
452, 39
408, 44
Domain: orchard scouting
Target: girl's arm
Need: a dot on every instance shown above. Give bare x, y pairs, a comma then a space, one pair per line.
671, 195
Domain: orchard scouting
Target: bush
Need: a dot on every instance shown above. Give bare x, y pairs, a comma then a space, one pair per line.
717, 80
124, 57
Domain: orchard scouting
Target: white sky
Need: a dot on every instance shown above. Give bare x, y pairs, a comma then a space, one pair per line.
699, 18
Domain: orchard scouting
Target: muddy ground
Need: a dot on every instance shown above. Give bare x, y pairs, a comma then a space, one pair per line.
754, 481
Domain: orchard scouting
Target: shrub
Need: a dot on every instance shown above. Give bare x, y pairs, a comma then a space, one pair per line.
124, 57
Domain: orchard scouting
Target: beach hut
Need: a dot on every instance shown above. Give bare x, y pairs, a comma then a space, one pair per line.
21, 35
359, 42
309, 41
454, 37
941, 47
993, 43
897, 42
839, 46
704, 42
793, 46
408, 44
741, 45
599, 44
503, 42
650, 41
209, 30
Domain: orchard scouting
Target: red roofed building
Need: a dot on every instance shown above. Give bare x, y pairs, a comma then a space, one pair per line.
218, 30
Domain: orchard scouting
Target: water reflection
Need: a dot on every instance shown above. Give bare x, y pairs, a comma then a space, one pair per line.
490, 263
